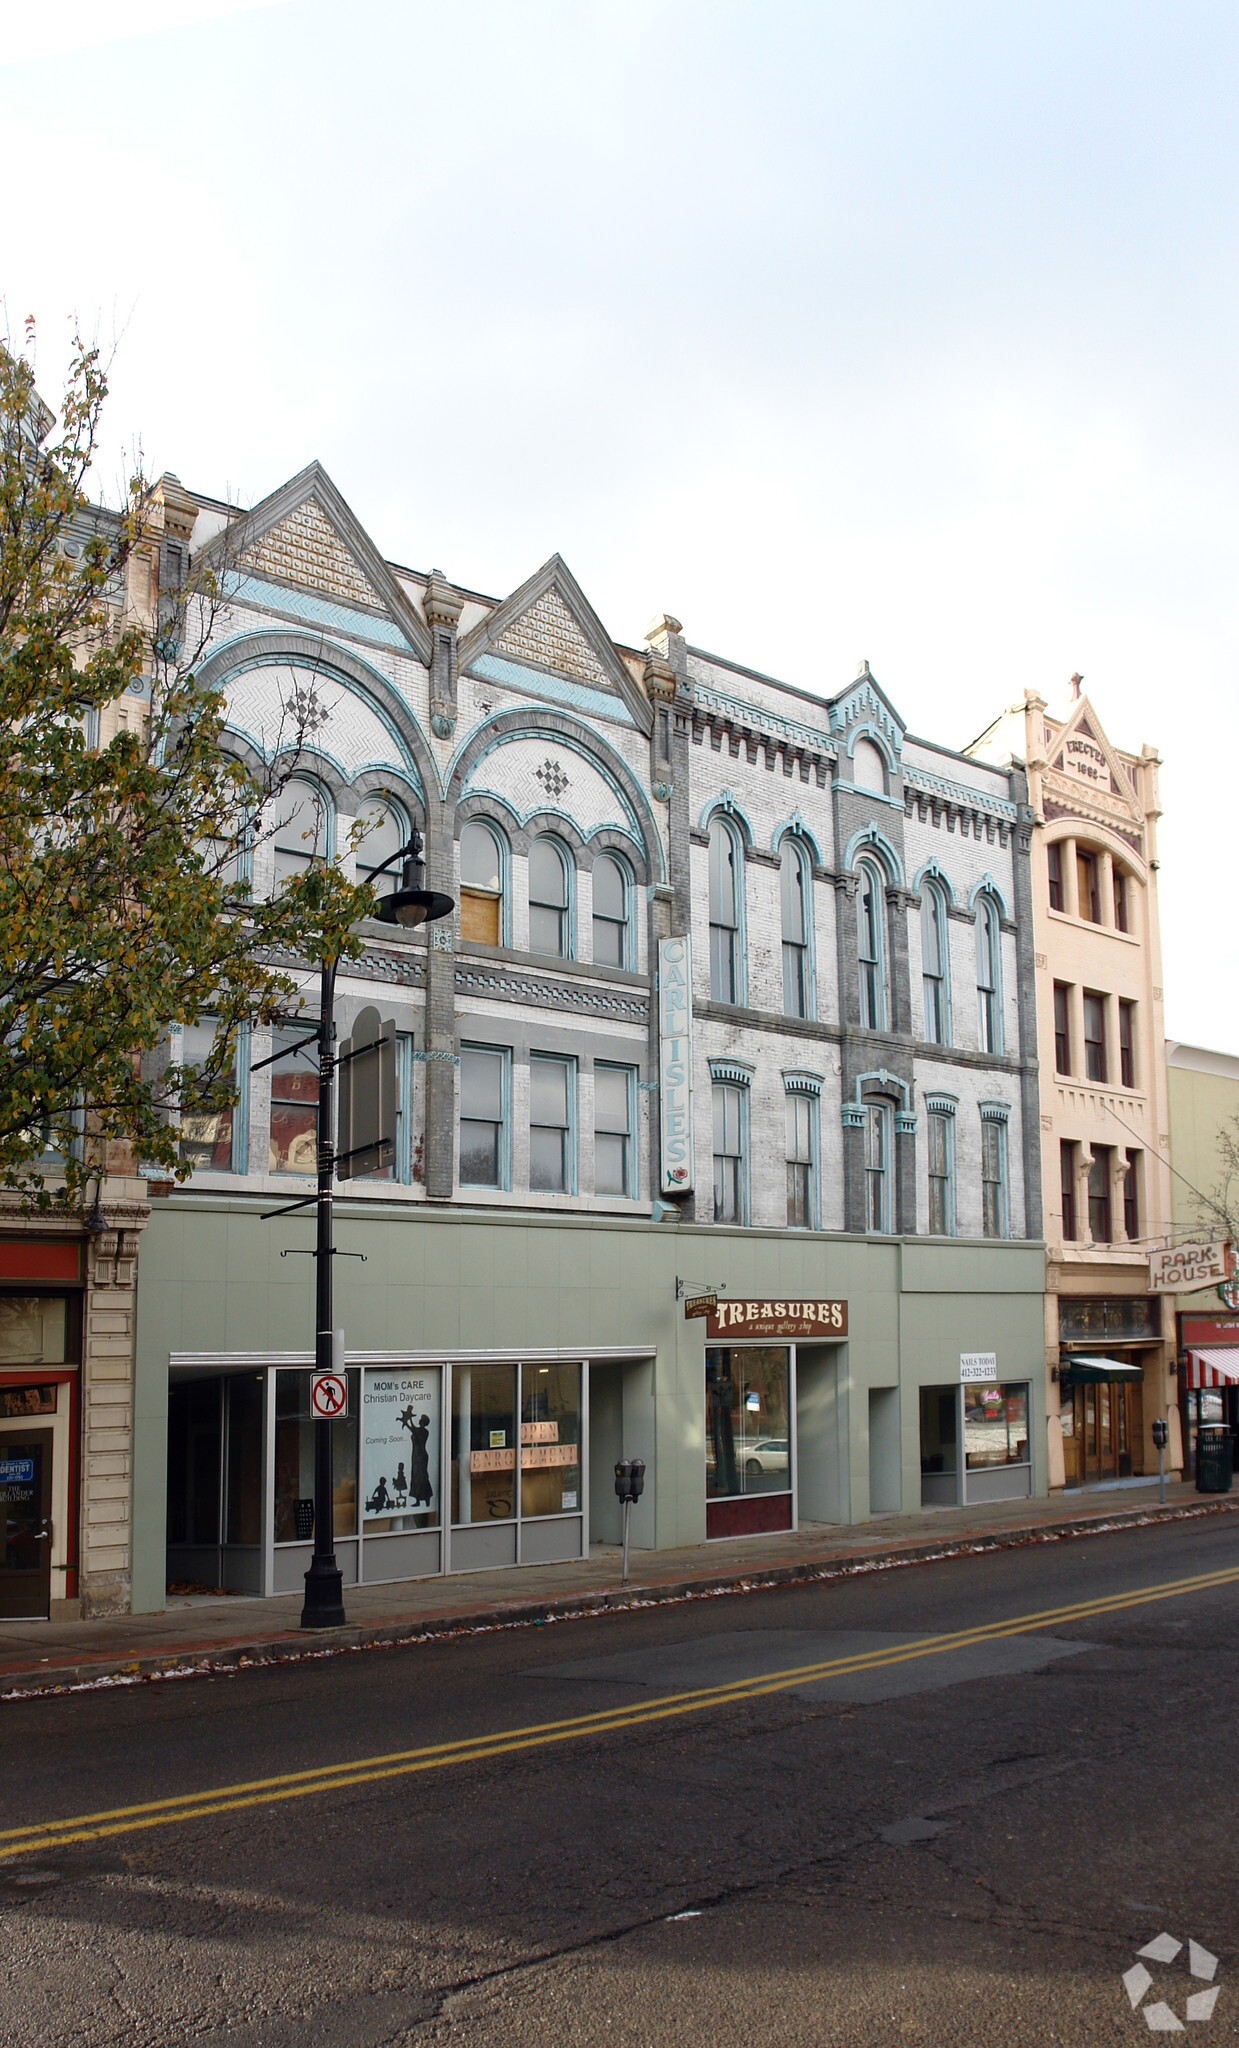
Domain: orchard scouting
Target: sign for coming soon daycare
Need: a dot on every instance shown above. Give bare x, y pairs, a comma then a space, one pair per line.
753, 1319
675, 1064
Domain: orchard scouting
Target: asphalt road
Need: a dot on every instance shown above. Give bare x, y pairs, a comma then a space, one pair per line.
853, 1831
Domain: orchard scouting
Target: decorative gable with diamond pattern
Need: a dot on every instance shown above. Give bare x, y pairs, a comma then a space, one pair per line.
305, 548
548, 635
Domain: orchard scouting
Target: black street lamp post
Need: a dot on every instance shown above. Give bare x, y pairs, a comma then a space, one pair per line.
409, 906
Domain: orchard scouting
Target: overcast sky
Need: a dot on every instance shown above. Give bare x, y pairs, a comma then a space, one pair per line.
904, 331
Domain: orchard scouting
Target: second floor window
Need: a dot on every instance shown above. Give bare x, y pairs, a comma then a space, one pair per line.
614, 1092
1062, 1029
1127, 1047
941, 1206
483, 1116
209, 1139
1067, 1188
729, 1175
725, 873
481, 885
989, 1021
293, 1145
610, 887
993, 1178
1131, 1196
799, 1116
794, 884
1100, 1175
933, 963
1121, 903
871, 946
551, 1094
1094, 1037
548, 899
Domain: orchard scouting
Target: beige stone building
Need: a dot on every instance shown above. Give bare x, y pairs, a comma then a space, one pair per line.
1109, 1342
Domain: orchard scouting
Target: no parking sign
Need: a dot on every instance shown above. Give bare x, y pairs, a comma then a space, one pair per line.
328, 1396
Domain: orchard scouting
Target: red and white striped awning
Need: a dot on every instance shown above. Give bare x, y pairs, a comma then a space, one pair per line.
1216, 1367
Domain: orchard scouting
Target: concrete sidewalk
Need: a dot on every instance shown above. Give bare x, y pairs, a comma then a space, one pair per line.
207, 1634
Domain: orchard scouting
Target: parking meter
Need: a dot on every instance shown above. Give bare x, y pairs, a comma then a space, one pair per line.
1161, 1433
629, 1486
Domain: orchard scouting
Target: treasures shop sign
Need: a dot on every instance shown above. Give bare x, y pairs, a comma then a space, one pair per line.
755, 1319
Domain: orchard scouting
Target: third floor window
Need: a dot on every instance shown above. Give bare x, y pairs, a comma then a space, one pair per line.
1127, 1047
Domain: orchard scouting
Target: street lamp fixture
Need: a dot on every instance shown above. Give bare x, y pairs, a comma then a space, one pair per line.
412, 904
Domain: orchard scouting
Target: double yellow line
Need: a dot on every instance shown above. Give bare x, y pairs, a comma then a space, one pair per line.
158, 1813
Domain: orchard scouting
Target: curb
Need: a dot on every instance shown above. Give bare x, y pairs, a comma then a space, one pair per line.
292, 1647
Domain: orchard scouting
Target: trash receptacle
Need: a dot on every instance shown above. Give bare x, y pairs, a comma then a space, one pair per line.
1215, 1460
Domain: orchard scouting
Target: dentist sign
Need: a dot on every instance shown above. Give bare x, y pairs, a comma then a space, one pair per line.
675, 1064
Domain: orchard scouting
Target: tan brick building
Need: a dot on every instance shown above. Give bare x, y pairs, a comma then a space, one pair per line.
1109, 1343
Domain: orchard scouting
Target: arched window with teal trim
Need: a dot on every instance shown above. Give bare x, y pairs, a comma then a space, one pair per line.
726, 912
796, 902
935, 964
989, 975
871, 945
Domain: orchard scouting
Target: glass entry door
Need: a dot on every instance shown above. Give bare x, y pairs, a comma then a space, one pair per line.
26, 1506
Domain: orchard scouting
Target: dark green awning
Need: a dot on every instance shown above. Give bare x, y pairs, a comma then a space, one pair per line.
1075, 1369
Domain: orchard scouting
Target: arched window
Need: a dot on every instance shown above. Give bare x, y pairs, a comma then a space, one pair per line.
726, 897
612, 946
795, 881
482, 874
871, 945
302, 830
878, 1150
934, 979
548, 899
989, 1008
388, 832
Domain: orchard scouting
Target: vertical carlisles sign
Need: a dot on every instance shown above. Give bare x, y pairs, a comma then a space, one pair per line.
675, 1064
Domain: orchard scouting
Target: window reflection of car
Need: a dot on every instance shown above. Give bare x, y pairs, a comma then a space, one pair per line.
768, 1454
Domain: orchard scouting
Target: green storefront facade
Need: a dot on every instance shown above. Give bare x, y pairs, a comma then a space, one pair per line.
564, 1334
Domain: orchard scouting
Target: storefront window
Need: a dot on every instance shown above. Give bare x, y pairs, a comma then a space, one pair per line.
243, 1489
294, 1455
1134, 1316
32, 1329
550, 1439
748, 1445
483, 1443
400, 1439
996, 1425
